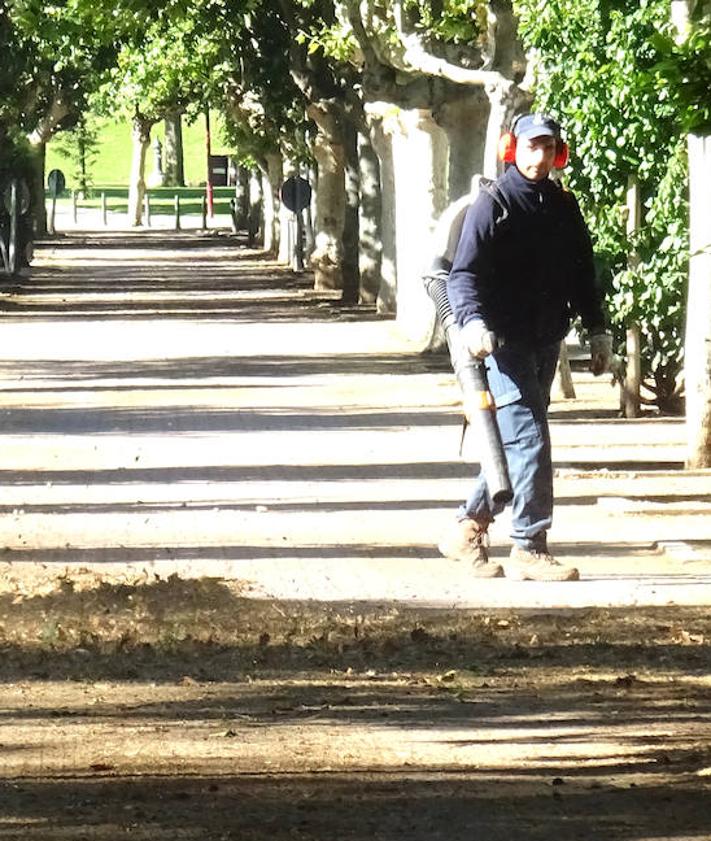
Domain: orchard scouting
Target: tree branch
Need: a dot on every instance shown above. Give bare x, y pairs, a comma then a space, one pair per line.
366, 44
53, 116
419, 59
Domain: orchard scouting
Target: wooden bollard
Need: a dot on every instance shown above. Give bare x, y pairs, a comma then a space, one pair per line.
177, 212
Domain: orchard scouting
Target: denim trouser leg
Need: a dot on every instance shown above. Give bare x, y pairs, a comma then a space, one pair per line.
520, 381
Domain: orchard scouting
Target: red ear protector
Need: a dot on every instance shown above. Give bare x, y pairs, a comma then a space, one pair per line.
507, 149
562, 154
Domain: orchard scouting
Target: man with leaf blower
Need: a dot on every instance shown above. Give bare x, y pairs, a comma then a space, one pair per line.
522, 268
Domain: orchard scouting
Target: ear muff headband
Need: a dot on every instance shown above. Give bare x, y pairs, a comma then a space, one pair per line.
507, 151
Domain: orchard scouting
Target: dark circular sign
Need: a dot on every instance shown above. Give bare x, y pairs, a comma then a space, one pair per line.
23, 197
296, 193
56, 182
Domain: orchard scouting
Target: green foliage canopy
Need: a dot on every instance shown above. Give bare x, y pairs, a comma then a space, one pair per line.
54, 51
619, 81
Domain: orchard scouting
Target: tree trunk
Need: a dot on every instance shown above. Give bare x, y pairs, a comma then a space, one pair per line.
309, 213
351, 233
420, 155
697, 348
173, 169
632, 382
465, 119
504, 103
386, 303
287, 220
254, 222
140, 137
56, 112
371, 249
242, 197
36, 186
82, 149
271, 183
327, 257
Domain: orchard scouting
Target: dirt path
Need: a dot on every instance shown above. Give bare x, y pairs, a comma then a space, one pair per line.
222, 615
182, 405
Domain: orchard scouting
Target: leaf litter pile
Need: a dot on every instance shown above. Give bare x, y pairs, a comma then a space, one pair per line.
130, 704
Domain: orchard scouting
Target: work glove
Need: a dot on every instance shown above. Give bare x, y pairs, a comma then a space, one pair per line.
478, 339
600, 353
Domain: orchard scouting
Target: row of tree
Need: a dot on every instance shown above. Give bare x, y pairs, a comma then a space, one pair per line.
394, 105
349, 87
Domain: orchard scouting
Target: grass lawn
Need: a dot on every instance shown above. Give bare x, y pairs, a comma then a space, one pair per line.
112, 165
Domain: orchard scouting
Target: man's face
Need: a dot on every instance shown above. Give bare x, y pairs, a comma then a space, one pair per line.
535, 156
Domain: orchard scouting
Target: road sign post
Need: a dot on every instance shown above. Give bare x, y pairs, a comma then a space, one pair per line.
296, 196
56, 183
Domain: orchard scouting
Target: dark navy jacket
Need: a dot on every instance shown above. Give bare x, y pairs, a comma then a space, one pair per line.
525, 268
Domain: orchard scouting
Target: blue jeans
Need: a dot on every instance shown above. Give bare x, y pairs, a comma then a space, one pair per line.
520, 381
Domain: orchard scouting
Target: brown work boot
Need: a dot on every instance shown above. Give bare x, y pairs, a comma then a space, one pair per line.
467, 541
537, 565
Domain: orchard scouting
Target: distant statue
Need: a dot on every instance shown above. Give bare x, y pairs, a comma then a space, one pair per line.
157, 177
